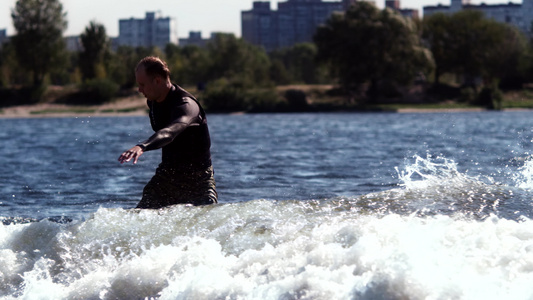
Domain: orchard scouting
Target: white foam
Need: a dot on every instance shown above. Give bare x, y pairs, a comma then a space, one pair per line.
269, 250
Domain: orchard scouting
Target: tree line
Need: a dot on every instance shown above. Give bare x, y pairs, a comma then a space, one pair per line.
371, 54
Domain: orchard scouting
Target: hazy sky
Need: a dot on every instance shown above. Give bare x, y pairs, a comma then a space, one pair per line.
196, 15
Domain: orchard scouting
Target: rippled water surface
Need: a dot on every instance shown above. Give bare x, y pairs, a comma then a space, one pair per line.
312, 206
67, 166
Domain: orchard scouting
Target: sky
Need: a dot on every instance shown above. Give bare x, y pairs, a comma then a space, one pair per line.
206, 16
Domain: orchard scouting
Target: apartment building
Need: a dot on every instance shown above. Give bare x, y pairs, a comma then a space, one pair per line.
3, 36
73, 43
295, 21
194, 39
152, 31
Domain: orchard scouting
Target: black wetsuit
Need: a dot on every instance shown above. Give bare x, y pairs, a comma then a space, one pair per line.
185, 174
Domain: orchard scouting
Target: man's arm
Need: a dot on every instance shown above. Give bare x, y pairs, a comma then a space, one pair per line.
163, 137
184, 117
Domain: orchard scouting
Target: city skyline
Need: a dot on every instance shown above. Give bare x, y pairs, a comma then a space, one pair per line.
200, 15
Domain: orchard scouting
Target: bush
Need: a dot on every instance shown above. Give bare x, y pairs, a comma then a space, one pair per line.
443, 92
98, 90
21, 96
37, 93
468, 95
224, 96
263, 100
220, 95
490, 97
296, 100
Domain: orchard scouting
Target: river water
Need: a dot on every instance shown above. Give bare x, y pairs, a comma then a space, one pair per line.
312, 206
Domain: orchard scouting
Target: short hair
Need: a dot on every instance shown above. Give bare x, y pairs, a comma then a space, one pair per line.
154, 66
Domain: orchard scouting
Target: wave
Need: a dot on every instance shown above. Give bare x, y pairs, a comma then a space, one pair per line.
321, 249
441, 233
434, 186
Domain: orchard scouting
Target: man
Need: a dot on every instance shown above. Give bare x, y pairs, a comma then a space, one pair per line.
185, 174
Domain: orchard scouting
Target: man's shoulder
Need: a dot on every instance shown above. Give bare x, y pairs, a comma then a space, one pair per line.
178, 90
180, 100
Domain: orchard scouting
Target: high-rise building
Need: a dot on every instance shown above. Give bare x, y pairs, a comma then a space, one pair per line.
299, 19
394, 4
295, 21
73, 43
194, 39
152, 31
3, 36
259, 25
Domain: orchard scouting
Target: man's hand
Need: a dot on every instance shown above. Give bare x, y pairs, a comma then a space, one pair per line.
134, 153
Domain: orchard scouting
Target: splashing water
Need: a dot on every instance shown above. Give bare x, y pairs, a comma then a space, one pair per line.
435, 186
267, 250
438, 233
429, 171
524, 178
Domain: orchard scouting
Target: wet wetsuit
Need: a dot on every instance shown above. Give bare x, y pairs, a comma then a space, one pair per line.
185, 174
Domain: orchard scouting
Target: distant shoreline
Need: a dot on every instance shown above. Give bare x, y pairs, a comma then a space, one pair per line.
318, 99
137, 107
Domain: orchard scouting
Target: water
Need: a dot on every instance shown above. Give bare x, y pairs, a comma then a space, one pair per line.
312, 206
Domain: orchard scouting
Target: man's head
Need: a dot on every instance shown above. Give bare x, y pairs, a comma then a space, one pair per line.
153, 77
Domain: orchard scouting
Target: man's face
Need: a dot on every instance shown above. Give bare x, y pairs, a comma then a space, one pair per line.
147, 86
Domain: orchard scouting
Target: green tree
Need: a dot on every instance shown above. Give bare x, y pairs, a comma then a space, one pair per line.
367, 45
95, 46
278, 71
121, 64
10, 71
506, 57
238, 76
60, 73
189, 65
472, 46
440, 40
237, 60
300, 62
471, 40
39, 44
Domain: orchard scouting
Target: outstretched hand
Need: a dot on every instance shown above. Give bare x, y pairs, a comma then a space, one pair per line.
133, 153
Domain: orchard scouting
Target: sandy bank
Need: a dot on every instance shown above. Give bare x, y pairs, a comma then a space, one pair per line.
136, 106
130, 106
